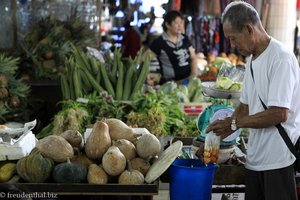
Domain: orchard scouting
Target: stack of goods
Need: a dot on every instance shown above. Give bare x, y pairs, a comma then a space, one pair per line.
214, 64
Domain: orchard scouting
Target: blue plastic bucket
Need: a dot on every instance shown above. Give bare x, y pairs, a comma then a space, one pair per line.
191, 179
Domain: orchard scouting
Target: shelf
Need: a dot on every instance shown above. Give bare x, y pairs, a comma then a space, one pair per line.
83, 188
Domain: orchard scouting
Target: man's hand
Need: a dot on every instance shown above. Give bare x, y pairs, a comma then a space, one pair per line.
221, 127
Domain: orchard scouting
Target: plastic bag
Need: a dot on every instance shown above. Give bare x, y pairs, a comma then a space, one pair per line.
97, 54
235, 73
230, 78
211, 148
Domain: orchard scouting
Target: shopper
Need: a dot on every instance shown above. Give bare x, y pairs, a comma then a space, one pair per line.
174, 51
131, 42
269, 165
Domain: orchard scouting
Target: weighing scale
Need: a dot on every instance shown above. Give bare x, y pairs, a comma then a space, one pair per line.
217, 111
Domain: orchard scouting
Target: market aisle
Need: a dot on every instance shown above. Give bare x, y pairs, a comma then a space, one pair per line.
162, 195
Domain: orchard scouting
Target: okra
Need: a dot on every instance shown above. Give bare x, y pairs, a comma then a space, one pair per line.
120, 81
106, 80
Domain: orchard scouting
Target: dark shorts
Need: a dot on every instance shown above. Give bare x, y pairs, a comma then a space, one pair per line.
278, 184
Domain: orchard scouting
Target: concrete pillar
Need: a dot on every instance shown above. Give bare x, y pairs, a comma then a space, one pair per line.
281, 21
258, 6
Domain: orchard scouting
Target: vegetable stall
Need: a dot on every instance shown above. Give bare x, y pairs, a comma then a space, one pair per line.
110, 129
128, 131
109, 134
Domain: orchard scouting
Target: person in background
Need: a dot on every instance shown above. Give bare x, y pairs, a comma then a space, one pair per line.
131, 42
269, 171
145, 34
174, 51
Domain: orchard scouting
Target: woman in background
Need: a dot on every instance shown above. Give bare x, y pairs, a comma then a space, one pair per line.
174, 51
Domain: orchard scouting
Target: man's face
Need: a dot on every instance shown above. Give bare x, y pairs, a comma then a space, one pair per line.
240, 39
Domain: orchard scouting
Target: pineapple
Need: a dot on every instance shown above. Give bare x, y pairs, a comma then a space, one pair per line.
13, 92
3, 80
3, 93
46, 45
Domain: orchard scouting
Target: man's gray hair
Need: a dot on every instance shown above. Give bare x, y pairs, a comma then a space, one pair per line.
238, 13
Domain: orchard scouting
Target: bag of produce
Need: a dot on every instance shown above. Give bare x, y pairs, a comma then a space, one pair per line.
230, 77
211, 148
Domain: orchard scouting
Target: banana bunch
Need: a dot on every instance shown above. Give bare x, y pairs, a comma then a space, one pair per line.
85, 75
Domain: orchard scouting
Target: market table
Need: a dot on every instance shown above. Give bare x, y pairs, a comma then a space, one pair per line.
63, 190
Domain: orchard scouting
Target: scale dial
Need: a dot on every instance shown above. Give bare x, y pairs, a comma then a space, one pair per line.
222, 114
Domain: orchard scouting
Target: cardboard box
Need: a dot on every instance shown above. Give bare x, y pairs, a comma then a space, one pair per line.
19, 149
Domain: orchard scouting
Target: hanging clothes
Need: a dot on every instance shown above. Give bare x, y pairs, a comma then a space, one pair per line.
207, 35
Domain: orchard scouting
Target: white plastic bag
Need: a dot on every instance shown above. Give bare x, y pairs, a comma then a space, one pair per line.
97, 54
211, 148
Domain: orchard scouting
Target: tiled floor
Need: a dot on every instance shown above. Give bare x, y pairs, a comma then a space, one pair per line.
162, 195
165, 195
